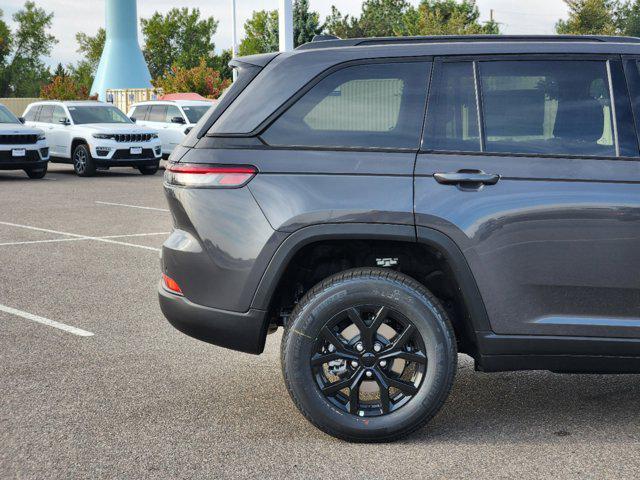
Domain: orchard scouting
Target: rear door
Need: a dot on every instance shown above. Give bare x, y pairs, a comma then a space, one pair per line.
59, 134
531, 166
174, 132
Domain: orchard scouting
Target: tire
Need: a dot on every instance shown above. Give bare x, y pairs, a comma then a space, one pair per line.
83, 163
149, 169
421, 330
36, 173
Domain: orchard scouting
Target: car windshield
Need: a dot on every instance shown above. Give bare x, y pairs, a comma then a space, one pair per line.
95, 114
195, 112
6, 116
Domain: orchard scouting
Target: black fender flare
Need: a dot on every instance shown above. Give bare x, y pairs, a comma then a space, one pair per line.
363, 231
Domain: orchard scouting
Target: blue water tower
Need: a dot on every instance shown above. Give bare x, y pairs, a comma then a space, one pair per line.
122, 64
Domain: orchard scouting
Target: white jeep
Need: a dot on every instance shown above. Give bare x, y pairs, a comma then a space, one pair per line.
21, 147
94, 135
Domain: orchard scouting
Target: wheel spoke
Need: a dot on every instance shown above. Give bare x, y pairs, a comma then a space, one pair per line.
417, 357
320, 359
405, 387
402, 338
334, 340
383, 386
335, 387
380, 317
354, 394
357, 320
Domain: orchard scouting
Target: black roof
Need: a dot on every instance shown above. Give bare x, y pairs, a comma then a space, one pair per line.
328, 41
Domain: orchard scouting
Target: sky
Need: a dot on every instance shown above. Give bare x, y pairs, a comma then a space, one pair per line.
72, 16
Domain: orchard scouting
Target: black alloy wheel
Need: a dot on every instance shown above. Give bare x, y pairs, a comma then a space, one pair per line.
369, 360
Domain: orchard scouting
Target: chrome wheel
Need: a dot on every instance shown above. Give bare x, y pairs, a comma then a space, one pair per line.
80, 160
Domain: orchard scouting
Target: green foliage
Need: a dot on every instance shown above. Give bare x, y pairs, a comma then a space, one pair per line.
5, 41
262, 30
627, 18
221, 64
64, 88
60, 71
449, 17
594, 17
200, 79
91, 47
180, 38
306, 24
261, 33
382, 18
22, 72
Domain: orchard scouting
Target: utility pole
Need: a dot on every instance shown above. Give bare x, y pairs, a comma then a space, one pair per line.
285, 20
234, 36
491, 15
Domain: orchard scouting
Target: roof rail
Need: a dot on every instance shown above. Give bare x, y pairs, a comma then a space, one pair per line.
330, 41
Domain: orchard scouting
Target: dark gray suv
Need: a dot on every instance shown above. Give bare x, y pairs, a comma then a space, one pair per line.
394, 202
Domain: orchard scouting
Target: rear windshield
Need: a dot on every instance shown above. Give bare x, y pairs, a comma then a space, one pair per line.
6, 116
90, 114
195, 112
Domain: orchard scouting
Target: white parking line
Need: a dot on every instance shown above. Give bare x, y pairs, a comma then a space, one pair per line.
56, 240
46, 321
80, 237
133, 206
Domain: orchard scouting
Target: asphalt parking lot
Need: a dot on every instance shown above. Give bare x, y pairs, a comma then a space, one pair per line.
121, 394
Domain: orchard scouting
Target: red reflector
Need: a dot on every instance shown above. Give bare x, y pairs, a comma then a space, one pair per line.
209, 176
171, 284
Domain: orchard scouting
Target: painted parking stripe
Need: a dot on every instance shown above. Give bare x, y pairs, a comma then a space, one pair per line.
75, 235
45, 321
56, 240
133, 206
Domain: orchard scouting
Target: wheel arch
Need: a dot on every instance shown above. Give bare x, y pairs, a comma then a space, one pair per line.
477, 320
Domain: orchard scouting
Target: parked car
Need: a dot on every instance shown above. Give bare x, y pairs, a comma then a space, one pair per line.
94, 135
21, 147
394, 202
173, 119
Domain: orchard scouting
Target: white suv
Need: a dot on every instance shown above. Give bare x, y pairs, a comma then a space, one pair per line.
95, 135
174, 119
22, 148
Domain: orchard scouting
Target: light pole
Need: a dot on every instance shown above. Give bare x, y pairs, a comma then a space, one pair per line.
285, 19
234, 36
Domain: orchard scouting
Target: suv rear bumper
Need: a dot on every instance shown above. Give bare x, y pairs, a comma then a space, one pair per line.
245, 332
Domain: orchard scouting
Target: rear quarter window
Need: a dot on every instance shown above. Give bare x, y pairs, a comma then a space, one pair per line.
361, 106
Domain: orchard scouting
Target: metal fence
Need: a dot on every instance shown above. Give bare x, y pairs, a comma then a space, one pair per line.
124, 98
17, 105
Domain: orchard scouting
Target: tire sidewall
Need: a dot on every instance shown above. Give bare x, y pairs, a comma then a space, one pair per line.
430, 322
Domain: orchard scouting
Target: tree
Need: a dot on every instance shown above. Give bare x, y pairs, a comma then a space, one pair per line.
595, 17
5, 41
64, 88
60, 71
627, 17
306, 24
379, 18
448, 17
180, 38
201, 79
221, 64
23, 72
260, 33
91, 47
262, 29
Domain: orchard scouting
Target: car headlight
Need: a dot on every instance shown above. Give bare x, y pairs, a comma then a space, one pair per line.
102, 136
41, 137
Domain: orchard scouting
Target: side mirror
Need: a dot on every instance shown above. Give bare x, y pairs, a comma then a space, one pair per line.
179, 120
65, 121
133, 119
21, 119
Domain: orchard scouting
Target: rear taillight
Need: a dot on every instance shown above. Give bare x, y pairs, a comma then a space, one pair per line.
209, 176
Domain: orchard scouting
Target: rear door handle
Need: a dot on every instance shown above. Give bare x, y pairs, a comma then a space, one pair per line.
458, 178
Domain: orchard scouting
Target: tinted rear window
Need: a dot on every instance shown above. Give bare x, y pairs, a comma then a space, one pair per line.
547, 107
370, 106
